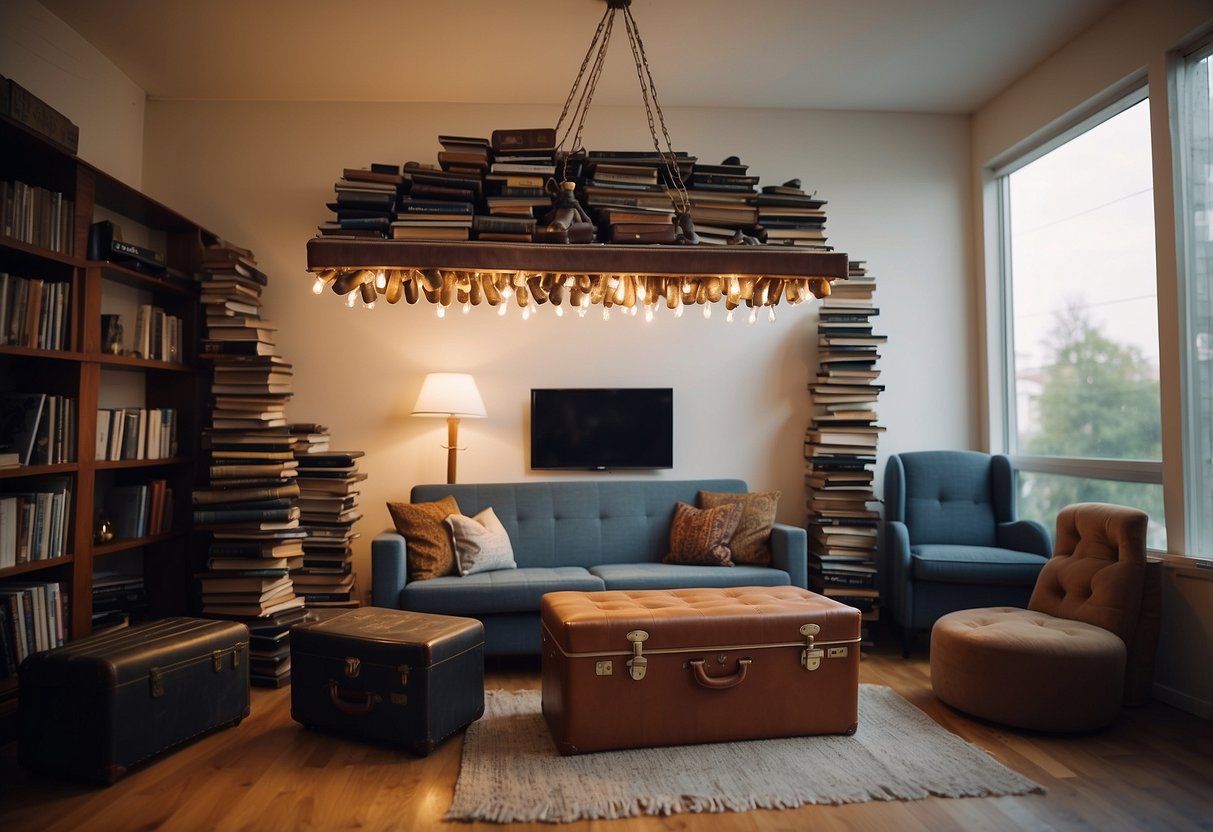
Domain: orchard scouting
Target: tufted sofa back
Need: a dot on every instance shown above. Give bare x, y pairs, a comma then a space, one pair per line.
581, 523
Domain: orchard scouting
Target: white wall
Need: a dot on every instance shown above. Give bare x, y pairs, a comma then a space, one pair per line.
260, 174
1132, 41
41, 53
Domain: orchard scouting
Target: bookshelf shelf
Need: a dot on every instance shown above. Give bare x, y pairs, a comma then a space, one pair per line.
36, 566
84, 379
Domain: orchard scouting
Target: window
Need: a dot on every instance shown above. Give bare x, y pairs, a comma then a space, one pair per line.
1194, 226
1081, 318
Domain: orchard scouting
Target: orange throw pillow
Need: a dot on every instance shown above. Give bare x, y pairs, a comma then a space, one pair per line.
427, 540
751, 541
701, 536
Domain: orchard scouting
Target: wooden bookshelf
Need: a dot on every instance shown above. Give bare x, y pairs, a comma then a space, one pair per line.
79, 368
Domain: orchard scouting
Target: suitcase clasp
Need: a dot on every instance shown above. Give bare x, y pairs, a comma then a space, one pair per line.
353, 666
810, 656
155, 682
638, 664
216, 660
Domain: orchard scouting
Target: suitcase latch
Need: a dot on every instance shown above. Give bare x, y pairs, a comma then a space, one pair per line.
216, 660
810, 656
352, 667
638, 664
155, 682
403, 670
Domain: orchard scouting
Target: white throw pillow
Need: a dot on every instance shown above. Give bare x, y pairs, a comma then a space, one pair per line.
481, 543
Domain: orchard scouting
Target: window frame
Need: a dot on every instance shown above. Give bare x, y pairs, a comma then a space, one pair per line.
1000, 312
1197, 526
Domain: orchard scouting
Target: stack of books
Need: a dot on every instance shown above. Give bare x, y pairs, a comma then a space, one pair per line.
34, 312
722, 200
436, 204
840, 447
628, 193
365, 200
32, 619
250, 506
791, 217
118, 598
328, 500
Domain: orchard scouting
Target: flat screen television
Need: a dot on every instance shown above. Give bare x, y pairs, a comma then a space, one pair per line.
600, 429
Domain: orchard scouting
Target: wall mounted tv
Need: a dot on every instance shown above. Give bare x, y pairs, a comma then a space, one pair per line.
600, 429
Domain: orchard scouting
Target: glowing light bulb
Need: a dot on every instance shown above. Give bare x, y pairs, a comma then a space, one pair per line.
678, 311
467, 306
753, 316
526, 313
441, 311
707, 311
581, 311
349, 300
380, 280
501, 310
771, 314
507, 292
648, 315
318, 286
371, 305
559, 311
606, 313
729, 317
641, 293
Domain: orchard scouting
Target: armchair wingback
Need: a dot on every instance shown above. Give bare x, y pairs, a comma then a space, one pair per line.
952, 540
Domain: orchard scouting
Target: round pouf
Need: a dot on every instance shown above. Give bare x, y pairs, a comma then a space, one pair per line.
1028, 669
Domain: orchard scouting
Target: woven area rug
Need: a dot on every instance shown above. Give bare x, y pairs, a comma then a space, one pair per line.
512, 772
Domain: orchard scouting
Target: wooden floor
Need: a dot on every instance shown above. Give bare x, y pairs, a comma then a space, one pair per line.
1152, 770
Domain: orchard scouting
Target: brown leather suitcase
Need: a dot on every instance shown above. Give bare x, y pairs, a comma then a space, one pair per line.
390, 676
630, 669
94, 708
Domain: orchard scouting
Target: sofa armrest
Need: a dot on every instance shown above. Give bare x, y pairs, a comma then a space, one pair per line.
1025, 536
389, 571
790, 552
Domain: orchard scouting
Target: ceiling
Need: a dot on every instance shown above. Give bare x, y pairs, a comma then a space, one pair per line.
937, 56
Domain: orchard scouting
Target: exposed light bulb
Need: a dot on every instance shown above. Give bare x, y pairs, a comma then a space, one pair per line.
678, 311
381, 280
606, 313
501, 310
467, 306
648, 315
581, 311
753, 315
318, 286
729, 317
559, 311
707, 311
349, 300
441, 311
771, 314
526, 313
371, 305
641, 293
507, 292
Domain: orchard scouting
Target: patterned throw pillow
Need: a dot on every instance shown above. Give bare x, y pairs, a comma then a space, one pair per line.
750, 543
428, 543
481, 543
701, 536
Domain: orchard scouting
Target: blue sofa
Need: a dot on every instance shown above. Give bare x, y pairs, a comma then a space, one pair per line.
570, 535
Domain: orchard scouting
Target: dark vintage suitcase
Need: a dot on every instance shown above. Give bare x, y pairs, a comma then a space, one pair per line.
629, 669
391, 676
97, 706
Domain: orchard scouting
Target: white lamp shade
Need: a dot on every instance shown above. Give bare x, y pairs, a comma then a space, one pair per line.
449, 394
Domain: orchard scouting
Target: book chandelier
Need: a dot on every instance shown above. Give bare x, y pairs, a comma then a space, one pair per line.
632, 278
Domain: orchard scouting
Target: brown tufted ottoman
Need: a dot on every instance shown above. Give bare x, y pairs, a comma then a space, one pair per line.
637, 668
1028, 669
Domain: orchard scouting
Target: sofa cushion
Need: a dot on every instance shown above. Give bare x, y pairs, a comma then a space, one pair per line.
750, 542
481, 543
701, 535
429, 550
506, 590
679, 576
946, 563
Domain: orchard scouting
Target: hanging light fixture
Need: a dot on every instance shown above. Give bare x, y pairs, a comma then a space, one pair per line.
631, 276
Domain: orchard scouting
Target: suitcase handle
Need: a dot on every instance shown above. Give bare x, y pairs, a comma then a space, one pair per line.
720, 682
361, 707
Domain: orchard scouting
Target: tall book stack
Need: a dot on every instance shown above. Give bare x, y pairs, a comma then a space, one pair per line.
840, 447
250, 506
328, 501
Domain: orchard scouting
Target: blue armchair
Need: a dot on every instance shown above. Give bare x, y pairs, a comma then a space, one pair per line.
951, 539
